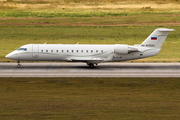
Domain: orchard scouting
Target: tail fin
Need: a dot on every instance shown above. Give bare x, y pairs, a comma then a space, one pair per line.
156, 38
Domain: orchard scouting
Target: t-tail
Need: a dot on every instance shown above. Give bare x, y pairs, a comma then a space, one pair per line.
157, 38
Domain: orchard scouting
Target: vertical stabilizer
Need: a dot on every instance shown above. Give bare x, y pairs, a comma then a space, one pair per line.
157, 37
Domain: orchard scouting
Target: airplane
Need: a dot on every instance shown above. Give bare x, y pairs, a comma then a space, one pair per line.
91, 54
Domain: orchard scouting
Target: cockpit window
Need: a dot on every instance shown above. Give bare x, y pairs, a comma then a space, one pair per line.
22, 49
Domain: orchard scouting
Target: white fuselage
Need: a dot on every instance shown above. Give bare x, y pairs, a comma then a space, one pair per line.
79, 53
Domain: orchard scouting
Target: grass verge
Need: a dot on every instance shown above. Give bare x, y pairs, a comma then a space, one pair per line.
89, 98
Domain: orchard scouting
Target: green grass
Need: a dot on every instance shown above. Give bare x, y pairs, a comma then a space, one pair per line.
89, 98
52, 14
137, 20
67, 12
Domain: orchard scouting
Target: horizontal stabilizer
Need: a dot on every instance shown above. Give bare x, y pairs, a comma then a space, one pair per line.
165, 30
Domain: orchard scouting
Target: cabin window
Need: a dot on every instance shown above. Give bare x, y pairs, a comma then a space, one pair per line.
46, 50
51, 50
41, 50
77, 51
87, 51
102, 51
97, 51
91, 51
82, 51
67, 50
57, 51
72, 51
62, 51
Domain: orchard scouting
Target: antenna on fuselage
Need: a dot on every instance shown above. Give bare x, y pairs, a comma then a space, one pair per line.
45, 43
77, 43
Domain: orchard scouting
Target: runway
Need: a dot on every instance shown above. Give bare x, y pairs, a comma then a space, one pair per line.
82, 70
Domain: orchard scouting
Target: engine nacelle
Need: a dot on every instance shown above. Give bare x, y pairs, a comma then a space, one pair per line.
121, 49
124, 49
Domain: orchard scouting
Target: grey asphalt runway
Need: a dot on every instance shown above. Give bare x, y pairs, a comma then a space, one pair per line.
82, 70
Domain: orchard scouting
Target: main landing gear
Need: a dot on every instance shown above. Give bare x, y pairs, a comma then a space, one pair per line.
91, 65
19, 65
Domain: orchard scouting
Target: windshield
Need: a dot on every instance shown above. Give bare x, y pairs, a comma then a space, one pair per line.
22, 49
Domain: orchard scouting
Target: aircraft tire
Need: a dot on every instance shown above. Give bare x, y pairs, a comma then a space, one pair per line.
91, 65
19, 65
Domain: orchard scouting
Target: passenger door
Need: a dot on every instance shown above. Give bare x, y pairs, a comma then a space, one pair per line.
35, 51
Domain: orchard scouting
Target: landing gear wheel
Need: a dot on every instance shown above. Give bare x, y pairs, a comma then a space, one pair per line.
19, 65
91, 65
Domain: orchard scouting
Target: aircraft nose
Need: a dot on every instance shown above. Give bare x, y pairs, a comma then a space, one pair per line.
13, 55
8, 56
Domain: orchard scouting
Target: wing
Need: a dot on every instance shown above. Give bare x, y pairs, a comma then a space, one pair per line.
87, 60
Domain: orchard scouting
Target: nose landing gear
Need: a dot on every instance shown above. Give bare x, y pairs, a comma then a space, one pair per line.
19, 65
